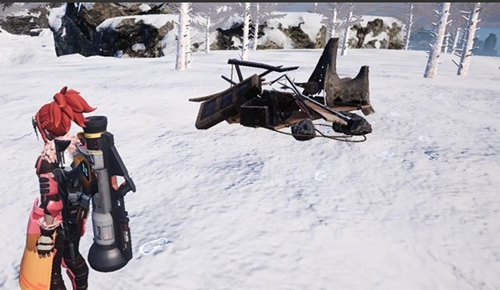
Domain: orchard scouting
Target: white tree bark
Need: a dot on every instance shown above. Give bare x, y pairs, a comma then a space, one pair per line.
256, 27
188, 43
246, 29
446, 43
207, 35
333, 24
470, 32
432, 62
455, 40
346, 32
182, 40
409, 24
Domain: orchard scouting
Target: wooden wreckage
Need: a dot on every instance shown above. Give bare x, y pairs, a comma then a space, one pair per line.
247, 103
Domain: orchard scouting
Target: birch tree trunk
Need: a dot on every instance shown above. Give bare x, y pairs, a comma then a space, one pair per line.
180, 63
333, 23
346, 33
432, 62
455, 40
470, 32
207, 35
188, 43
256, 27
246, 29
446, 43
409, 24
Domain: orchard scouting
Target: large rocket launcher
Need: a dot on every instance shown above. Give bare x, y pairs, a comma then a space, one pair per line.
112, 247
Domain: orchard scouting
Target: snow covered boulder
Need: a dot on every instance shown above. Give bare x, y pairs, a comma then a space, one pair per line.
133, 36
21, 18
108, 29
73, 32
376, 32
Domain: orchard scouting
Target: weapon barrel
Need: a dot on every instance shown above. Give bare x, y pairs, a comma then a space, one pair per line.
111, 249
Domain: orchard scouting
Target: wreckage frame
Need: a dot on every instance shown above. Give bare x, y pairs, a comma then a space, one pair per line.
247, 103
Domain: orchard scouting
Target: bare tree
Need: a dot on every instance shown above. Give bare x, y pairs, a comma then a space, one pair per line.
189, 56
329, 12
182, 36
455, 27
260, 13
456, 36
470, 30
246, 30
470, 13
439, 33
212, 15
409, 24
349, 20
255, 16
243, 11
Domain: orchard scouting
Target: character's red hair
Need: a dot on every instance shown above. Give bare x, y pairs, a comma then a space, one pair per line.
56, 116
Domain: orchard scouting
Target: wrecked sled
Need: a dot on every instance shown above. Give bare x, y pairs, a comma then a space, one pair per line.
247, 103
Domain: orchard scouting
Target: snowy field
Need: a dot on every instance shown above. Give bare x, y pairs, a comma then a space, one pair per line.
416, 206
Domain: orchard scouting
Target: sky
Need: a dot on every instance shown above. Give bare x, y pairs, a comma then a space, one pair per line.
413, 207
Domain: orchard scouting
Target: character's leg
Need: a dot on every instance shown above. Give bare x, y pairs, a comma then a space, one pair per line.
56, 280
77, 268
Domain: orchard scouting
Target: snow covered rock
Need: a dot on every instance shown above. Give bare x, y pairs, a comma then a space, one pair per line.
376, 32
98, 30
73, 33
21, 18
133, 36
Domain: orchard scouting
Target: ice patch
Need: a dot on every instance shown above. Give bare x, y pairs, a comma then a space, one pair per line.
424, 139
320, 176
153, 247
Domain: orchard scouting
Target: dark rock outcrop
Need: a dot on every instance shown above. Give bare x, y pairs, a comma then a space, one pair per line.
489, 45
36, 18
299, 37
361, 33
225, 41
80, 32
375, 28
394, 41
75, 35
134, 39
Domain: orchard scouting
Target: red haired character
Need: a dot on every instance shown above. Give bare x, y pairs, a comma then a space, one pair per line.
57, 221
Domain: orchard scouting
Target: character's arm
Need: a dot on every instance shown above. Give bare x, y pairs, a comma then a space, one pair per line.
51, 204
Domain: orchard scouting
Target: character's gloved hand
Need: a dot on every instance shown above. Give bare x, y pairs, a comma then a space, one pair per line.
45, 243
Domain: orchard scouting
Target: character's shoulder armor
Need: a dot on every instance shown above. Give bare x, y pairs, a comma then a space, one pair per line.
84, 162
43, 166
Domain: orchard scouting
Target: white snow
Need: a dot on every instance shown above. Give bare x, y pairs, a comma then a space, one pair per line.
311, 25
381, 36
35, 50
144, 7
156, 20
23, 11
55, 17
277, 36
35, 14
138, 46
416, 206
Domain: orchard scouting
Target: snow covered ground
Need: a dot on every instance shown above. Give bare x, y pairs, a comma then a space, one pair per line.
416, 206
